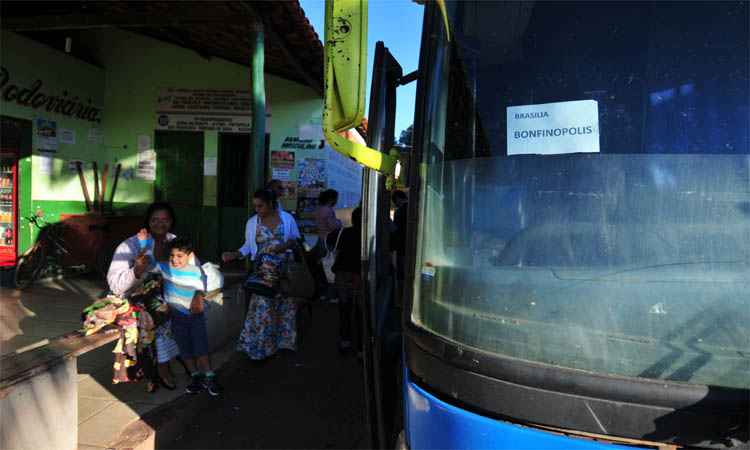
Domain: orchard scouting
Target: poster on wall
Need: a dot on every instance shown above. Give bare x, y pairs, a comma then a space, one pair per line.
282, 159
289, 195
312, 173
67, 136
307, 204
224, 110
210, 164
282, 164
45, 162
146, 168
46, 134
281, 174
96, 136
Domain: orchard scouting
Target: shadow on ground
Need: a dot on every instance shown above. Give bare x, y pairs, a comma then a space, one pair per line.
311, 399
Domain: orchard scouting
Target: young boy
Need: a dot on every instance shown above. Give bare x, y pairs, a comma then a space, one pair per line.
183, 292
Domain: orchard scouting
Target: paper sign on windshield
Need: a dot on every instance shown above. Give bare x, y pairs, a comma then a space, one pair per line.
554, 128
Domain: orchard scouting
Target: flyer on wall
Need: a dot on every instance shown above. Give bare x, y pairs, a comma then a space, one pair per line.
312, 173
46, 134
146, 168
282, 159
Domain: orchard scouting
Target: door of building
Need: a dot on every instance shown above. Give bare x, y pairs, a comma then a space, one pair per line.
232, 199
179, 179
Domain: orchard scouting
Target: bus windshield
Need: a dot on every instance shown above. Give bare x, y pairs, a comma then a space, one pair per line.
585, 197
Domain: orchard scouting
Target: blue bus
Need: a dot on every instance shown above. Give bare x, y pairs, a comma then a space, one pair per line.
578, 254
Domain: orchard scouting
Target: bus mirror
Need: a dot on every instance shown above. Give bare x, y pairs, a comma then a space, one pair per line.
345, 62
345, 74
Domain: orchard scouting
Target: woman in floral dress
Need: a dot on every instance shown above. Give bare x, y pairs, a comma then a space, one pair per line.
270, 323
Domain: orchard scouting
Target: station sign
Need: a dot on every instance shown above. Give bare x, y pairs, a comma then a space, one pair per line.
223, 110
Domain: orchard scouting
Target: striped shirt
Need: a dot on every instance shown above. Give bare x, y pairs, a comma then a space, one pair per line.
180, 285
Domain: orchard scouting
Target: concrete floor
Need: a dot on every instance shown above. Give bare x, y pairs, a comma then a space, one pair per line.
44, 311
29, 318
309, 399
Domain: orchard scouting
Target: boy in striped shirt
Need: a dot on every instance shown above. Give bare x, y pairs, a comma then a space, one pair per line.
184, 287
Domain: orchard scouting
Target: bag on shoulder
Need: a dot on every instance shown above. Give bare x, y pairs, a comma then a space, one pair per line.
297, 280
330, 258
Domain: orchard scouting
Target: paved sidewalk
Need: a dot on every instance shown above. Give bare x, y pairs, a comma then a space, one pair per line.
46, 310
311, 399
105, 410
30, 318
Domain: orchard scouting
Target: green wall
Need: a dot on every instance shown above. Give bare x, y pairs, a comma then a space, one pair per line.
134, 69
28, 61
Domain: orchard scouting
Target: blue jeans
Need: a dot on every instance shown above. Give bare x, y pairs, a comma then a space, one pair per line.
189, 330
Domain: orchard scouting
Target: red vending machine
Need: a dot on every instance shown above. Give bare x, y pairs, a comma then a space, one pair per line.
8, 206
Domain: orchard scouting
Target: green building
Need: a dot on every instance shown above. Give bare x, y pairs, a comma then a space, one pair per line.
164, 91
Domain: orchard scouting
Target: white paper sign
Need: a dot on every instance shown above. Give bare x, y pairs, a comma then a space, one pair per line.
146, 169
281, 174
209, 166
553, 128
45, 161
144, 142
67, 136
96, 136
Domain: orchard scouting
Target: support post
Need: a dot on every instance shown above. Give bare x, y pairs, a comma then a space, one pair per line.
256, 162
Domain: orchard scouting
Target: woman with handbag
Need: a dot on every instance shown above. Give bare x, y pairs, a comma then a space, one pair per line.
329, 229
269, 236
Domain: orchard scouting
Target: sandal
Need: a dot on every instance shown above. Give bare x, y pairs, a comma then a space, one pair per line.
151, 387
167, 385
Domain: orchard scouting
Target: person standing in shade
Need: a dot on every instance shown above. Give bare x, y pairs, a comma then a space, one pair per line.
328, 226
270, 323
348, 270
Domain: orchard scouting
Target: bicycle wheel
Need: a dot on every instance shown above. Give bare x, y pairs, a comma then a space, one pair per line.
28, 267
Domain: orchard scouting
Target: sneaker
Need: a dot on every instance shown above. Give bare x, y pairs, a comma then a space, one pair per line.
196, 386
212, 386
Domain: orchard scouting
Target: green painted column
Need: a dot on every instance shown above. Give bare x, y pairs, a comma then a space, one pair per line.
256, 169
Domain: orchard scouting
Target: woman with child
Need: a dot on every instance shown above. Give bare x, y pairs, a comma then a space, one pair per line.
271, 317
145, 253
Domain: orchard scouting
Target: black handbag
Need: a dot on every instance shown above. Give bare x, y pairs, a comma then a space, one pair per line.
259, 288
255, 284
